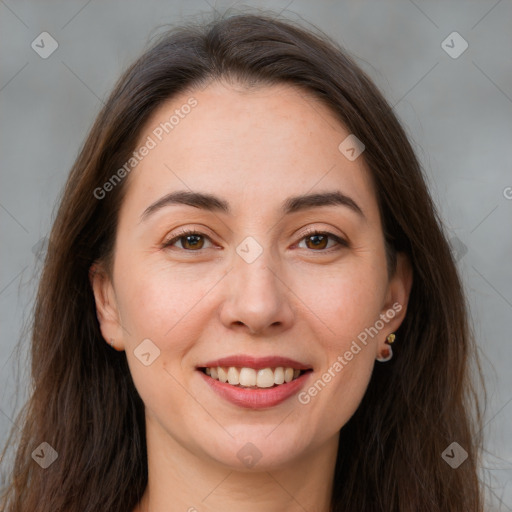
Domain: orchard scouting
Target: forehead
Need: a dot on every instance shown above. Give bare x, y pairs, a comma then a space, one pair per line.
254, 146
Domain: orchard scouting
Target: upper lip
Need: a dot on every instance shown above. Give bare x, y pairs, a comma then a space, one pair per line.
245, 361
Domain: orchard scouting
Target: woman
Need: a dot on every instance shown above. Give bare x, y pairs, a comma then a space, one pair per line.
244, 233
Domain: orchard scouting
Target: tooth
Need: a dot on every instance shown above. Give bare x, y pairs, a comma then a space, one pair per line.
265, 378
279, 375
223, 375
233, 376
247, 377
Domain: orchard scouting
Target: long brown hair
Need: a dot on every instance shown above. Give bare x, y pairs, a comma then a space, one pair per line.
83, 401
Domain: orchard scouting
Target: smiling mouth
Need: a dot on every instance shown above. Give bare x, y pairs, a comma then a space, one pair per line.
251, 378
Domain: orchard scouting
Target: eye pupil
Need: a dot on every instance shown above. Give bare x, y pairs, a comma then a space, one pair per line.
317, 243
194, 243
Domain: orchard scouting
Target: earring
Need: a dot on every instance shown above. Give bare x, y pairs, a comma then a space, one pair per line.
111, 342
387, 353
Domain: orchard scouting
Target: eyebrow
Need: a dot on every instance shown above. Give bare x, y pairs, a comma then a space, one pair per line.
213, 203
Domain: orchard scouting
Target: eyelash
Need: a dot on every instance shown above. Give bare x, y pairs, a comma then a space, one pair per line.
188, 232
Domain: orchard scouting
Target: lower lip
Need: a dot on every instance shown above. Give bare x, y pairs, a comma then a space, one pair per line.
256, 398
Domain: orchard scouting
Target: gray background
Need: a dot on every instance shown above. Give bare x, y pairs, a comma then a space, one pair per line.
457, 112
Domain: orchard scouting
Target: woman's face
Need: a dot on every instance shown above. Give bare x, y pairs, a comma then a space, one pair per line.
252, 282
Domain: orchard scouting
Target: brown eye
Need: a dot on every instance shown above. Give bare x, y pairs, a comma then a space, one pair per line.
318, 240
190, 241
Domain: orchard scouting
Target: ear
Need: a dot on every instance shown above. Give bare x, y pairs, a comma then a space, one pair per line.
397, 298
106, 306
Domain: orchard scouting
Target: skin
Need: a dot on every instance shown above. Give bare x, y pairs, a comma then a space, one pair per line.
254, 148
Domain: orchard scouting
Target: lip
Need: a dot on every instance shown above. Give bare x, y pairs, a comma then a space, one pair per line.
244, 361
256, 398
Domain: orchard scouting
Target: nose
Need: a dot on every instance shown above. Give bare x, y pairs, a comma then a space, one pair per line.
257, 297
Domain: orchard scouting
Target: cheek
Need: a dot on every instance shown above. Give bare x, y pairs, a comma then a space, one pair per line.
349, 387
155, 298
346, 300
168, 307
